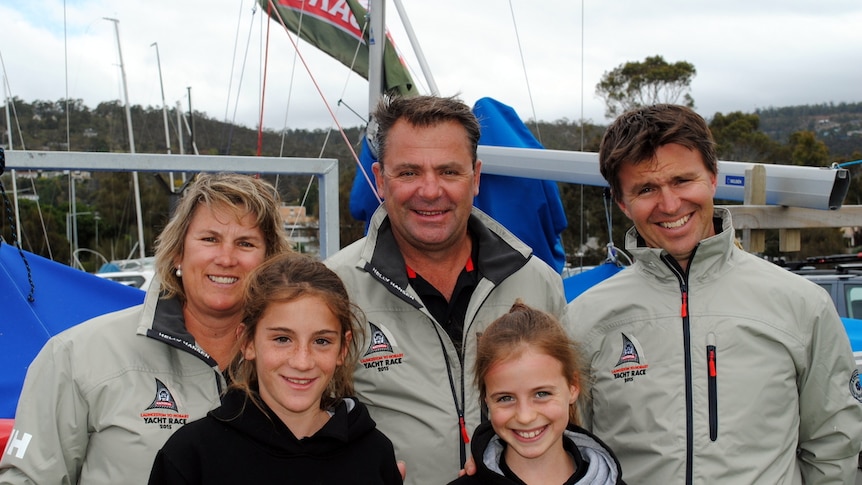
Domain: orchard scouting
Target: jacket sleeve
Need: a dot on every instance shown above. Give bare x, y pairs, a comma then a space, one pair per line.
830, 428
49, 440
569, 321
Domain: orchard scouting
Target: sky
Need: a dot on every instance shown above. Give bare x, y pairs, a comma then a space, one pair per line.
542, 57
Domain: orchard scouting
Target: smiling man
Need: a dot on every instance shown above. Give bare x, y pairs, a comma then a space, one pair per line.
431, 274
709, 364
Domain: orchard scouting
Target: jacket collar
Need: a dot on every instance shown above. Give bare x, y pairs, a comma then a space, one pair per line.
500, 253
710, 258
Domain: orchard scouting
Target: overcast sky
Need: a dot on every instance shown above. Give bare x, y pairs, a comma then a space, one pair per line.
748, 54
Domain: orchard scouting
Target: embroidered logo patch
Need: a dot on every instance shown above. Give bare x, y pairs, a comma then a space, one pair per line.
164, 401
380, 354
856, 386
631, 363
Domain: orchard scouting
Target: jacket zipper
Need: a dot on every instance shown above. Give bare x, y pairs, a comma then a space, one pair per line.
712, 381
462, 426
682, 277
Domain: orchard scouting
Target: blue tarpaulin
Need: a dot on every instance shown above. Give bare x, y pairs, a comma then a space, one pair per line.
853, 327
62, 297
581, 282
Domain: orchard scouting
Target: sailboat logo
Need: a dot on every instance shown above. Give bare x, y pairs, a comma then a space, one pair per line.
629, 354
379, 341
164, 399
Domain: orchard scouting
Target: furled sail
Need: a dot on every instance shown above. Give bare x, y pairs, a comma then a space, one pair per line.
336, 28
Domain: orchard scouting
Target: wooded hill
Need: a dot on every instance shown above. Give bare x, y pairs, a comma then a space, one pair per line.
795, 135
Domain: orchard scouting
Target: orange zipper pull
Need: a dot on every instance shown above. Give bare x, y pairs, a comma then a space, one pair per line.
464, 435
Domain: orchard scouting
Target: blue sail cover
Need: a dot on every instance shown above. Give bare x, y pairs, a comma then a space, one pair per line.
63, 297
530, 208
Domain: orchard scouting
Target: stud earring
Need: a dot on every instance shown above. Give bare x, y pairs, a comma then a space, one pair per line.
179, 272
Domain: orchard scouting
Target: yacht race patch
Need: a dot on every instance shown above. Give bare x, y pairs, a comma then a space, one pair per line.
380, 354
856, 386
631, 363
157, 414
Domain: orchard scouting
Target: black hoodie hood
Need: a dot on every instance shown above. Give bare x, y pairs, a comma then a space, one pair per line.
348, 423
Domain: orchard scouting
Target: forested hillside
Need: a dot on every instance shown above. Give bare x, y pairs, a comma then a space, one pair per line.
106, 219
839, 126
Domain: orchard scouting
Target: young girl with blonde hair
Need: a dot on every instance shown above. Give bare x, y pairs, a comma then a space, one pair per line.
529, 375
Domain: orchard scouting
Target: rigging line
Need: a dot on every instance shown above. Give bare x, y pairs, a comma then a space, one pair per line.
11, 102
359, 166
524, 68
290, 88
583, 236
233, 61
263, 87
346, 82
343, 91
241, 77
323, 98
582, 75
66, 75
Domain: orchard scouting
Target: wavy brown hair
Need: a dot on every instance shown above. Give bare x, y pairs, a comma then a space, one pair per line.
636, 135
243, 194
286, 278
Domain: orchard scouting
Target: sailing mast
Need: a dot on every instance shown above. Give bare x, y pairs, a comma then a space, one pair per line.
135, 183
376, 44
7, 89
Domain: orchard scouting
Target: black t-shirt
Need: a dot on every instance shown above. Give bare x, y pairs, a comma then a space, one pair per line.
449, 314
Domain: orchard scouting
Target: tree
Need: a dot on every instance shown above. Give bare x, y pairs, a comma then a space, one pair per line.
807, 150
738, 137
645, 83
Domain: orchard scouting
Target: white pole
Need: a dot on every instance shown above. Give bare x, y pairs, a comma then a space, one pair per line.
164, 110
137, 187
7, 89
376, 43
164, 105
180, 128
417, 49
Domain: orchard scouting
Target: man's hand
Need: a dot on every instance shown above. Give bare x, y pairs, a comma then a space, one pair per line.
402, 468
469, 467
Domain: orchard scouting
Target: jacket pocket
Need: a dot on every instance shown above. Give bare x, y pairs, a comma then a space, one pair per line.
712, 385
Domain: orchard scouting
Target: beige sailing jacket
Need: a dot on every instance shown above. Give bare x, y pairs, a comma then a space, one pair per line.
410, 375
735, 372
102, 397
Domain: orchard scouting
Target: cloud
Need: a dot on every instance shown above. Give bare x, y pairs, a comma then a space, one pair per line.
542, 58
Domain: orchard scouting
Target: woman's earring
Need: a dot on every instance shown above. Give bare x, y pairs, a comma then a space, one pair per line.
179, 272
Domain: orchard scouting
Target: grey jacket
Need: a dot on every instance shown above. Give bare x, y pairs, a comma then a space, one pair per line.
101, 398
410, 375
734, 372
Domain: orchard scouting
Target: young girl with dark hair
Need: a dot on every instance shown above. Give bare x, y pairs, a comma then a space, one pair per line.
287, 416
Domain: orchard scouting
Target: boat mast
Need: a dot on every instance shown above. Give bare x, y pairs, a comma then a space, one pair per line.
7, 89
417, 49
376, 44
135, 183
164, 111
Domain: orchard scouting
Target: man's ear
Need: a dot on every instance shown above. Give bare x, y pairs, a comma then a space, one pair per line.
377, 169
477, 171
